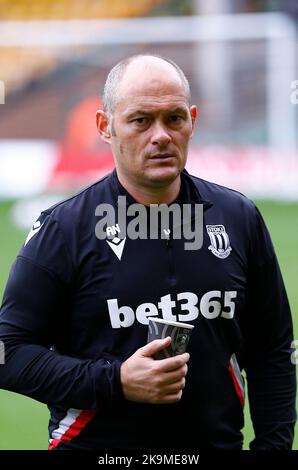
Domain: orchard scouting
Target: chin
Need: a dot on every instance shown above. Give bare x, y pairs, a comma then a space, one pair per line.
163, 176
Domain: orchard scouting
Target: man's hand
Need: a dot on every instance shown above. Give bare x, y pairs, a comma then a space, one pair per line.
147, 380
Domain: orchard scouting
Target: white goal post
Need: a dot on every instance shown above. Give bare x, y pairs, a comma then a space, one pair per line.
277, 29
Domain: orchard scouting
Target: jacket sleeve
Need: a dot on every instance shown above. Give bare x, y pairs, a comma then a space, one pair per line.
33, 317
268, 333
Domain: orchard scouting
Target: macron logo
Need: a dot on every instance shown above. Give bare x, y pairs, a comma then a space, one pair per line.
36, 227
116, 243
117, 246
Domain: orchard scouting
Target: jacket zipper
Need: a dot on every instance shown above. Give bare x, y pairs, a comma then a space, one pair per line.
172, 273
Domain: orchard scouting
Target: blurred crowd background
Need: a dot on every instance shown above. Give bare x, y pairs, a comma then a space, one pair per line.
240, 57
54, 57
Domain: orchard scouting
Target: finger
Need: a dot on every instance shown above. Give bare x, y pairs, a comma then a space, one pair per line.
154, 346
174, 387
174, 376
172, 398
172, 363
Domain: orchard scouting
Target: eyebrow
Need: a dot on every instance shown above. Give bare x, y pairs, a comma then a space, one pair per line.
178, 109
139, 111
143, 112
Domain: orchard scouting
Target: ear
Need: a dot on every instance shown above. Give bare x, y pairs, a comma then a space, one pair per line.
193, 113
103, 127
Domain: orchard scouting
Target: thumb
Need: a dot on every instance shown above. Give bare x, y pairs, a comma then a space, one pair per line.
154, 346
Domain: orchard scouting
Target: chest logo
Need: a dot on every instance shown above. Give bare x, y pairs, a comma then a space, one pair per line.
220, 243
116, 243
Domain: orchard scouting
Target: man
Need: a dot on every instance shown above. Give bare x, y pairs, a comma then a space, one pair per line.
74, 318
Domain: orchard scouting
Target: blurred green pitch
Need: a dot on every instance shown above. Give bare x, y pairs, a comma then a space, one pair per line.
24, 422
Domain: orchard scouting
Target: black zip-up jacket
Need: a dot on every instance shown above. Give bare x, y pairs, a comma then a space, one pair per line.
76, 306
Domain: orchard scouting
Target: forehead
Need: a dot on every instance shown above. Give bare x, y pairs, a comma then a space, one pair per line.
151, 83
152, 105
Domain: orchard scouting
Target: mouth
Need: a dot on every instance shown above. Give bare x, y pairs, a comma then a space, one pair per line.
162, 156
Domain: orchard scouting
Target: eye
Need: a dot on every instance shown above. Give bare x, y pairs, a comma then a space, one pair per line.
175, 118
140, 120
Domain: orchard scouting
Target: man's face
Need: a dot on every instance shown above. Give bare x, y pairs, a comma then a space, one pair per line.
151, 125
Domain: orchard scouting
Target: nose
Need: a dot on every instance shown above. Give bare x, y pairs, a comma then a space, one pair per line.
160, 135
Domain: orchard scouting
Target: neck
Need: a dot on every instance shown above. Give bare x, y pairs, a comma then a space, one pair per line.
152, 195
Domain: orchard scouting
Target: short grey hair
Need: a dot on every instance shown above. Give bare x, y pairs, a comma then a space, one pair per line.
110, 93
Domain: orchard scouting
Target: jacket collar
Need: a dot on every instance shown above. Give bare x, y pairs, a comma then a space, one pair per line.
189, 192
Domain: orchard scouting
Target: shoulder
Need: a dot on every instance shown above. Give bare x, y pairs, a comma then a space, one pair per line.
222, 196
73, 217
56, 236
83, 203
240, 214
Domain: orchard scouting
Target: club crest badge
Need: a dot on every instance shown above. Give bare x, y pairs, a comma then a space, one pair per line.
220, 243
